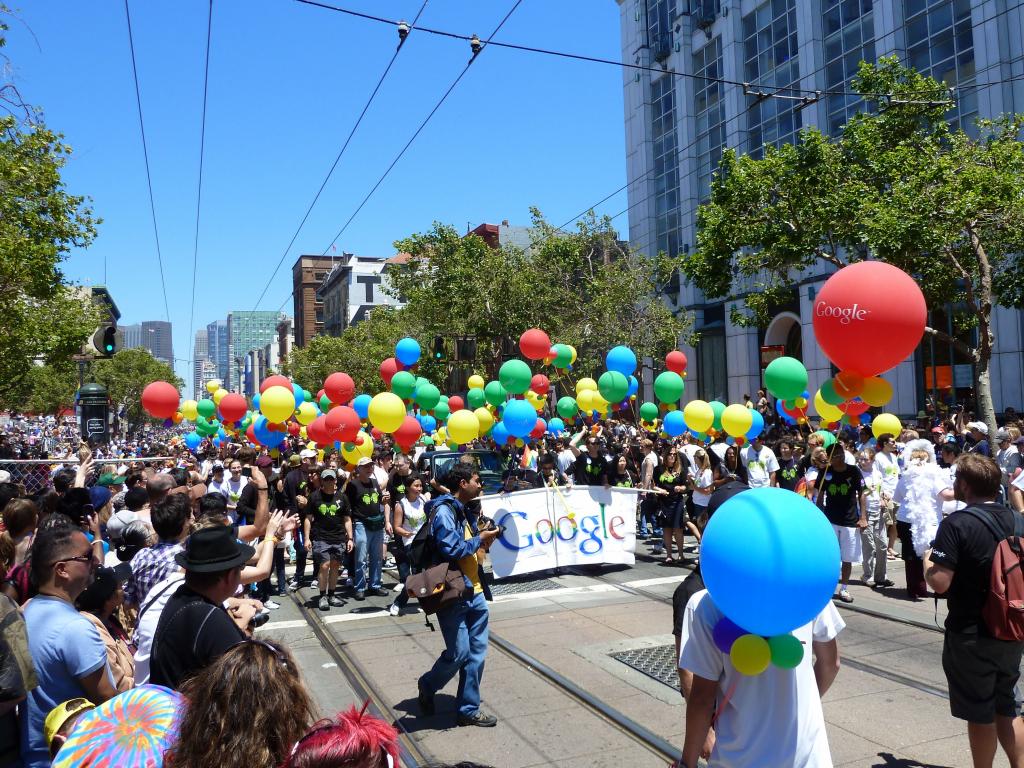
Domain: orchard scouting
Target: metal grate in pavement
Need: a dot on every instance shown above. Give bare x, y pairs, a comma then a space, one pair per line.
518, 587
658, 662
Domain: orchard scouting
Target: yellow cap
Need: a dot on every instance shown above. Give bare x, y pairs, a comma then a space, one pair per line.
60, 715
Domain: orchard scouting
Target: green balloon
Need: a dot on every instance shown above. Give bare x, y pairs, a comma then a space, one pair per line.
441, 411
827, 438
649, 411
325, 404
567, 407
717, 408
206, 408
829, 394
495, 393
475, 399
515, 376
307, 396
428, 396
613, 386
563, 356
403, 384
787, 651
668, 387
785, 378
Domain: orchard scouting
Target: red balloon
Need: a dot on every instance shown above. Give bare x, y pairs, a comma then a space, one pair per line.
538, 429
456, 403
277, 380
388, 369
160, 399
251, 434
233, 407
869, 317
535, 344
407, 434
294, 428
317, 431
375, 433
675, 361
540, 384
339, 387
343, 423
853, 407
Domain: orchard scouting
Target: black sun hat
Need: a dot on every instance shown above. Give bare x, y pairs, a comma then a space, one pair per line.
213, 549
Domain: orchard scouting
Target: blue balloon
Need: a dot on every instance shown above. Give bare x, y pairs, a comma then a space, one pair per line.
274, 439
300, 395
407, 351
429, 423
634, 387
499, 434
756, 427
770, 560
785, 416
621, 359
256, 402
519, 418
556, 426
193, 440
674, 424
361, 405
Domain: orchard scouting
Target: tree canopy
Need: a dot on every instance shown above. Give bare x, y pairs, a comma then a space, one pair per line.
899, 184
126, 374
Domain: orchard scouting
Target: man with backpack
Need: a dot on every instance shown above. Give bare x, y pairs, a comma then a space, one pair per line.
457, 540
975, 562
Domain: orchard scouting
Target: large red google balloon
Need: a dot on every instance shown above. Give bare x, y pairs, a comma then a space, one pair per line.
869, 317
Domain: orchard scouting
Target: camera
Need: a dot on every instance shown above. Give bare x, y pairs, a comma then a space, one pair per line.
487, 524
258, 620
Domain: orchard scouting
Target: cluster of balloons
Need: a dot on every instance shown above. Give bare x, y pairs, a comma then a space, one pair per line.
751, 654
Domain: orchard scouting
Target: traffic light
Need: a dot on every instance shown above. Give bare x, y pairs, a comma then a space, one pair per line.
105, 341
438, 348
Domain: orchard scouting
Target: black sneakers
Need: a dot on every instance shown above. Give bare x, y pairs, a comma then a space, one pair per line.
426, 702
478, 718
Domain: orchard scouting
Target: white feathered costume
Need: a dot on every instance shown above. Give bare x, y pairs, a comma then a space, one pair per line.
918, 494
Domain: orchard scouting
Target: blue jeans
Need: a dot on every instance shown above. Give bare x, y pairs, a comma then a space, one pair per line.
369, 546
465, 632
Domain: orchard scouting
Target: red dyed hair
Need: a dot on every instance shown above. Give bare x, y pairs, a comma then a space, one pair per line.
353, 739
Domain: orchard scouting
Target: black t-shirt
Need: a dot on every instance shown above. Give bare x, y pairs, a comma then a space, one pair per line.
966, 546
327, 513
687, 588
723, 493
295, 484
625, 480
590, 470
839, 495
365, 504
667, 480
788, 474
192, 633
398, 484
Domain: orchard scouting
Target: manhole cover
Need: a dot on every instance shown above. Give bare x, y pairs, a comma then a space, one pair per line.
518, 587
658, 662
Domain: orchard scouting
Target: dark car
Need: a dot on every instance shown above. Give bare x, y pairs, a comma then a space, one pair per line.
489, 464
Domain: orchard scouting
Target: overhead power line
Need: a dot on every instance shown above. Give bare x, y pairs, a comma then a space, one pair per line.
145, 156
403, 34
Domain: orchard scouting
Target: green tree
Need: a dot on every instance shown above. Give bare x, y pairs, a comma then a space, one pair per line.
901, 185
51, 388
125, 375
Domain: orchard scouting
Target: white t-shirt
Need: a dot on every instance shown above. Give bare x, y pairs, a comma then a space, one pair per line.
413, 516
719, 449
873, 485
701, 480
771, 719
890, 469
565, 460
1018, 481
149, 617
690, 450
760, 465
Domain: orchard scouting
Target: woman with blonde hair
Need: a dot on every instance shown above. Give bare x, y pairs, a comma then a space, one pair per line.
702, 483
246, 709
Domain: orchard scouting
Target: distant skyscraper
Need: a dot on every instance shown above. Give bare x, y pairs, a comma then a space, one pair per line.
201, 364
218, 351
131, 336
154, 335
247, 331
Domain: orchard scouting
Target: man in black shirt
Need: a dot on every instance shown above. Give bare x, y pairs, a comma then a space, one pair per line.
194, 629
981, 670
844, 500
328, 531
590, 468
368, 525
296, 491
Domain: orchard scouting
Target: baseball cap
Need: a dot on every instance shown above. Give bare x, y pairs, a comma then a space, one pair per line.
364, 461
307, 453
1019, 440
61, 714
294, 460
981, 426
328, 474
1002, 434
5, 476
108, 478
118, 522
264, 461
104, 585
100, 496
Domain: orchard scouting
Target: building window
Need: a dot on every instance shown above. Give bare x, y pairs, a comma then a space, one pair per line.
666, 166
709, 113
319, 314
940, 43
849, 30
660, 17
770, 60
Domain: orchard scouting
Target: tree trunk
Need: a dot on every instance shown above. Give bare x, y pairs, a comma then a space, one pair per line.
983, 388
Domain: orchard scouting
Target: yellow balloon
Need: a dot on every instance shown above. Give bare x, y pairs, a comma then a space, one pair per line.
220, 394
537, 401
825, 410
486, 420
585, 400
698, 415
277, 404
876, 392
307, 413
351, 452
463, 426
476, 381
572, 349
585, 384
801, 402
600, 404
188, 410
750, 654
736, 420
387, 411
886, 424
213, 385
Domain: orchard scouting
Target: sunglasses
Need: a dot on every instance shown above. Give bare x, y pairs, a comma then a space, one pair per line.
80, 559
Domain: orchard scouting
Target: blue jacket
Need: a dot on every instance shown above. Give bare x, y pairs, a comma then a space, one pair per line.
451, 545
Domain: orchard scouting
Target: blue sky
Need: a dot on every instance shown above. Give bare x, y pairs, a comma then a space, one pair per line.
287, 82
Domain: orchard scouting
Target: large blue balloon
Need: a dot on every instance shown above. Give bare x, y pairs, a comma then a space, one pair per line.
756, 427
621, 359
428, 423
361, 405
300, 395
674, 424
634, 386
519, 418
193, 440
770, 560
407, 351
556, 426
499, 434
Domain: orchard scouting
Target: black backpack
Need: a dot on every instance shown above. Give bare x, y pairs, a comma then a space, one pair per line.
423, 548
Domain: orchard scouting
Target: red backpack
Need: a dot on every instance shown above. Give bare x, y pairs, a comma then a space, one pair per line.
1003, 612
